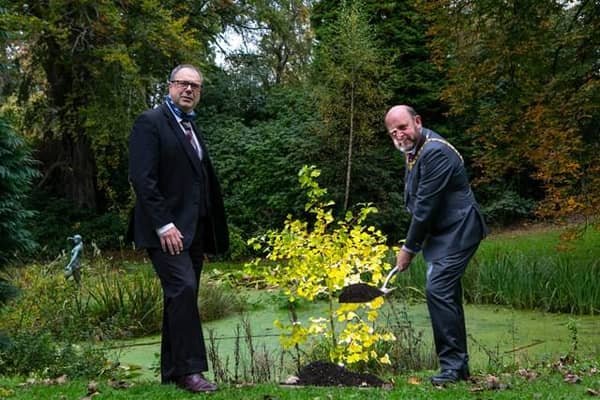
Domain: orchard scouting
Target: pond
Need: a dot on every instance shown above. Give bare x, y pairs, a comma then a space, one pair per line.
495, 333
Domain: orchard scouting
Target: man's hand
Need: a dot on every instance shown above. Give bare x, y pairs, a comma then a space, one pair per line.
403, 260
172, 241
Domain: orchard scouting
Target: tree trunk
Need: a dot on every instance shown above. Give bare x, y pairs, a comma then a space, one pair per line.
350, 145
66, 153
69, 170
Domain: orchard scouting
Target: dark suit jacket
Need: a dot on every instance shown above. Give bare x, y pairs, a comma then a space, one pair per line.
172, 185
446, 218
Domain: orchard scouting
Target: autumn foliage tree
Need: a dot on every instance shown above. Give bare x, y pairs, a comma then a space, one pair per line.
524, 80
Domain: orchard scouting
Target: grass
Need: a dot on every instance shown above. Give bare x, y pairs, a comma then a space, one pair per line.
548, 385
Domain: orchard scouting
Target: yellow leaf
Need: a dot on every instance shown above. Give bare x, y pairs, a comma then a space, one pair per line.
385, 359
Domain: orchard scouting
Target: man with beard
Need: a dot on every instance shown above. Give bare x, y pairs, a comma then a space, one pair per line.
446, 224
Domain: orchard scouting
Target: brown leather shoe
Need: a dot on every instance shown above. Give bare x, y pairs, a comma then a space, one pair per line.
196, 383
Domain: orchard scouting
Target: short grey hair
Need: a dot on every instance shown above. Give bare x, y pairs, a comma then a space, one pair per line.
182, 66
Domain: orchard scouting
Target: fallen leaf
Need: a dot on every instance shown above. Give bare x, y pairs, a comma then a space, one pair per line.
119, 384
414, 380
89, 397
291, 380
572, 378
92, 387
244, 384
592, 392
493, 383
529, 375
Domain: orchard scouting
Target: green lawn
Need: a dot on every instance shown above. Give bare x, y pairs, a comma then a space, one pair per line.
547, 386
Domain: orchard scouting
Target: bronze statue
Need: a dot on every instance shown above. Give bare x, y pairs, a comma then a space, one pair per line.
74, 266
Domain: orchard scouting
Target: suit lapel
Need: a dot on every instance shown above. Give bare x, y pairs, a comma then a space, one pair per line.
185, 143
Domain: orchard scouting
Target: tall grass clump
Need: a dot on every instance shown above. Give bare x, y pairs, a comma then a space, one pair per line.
217, 301
112, 302
125, 304
525, 271
538, 270
553, 284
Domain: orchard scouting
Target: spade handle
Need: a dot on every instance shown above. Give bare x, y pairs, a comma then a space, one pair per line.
387, 278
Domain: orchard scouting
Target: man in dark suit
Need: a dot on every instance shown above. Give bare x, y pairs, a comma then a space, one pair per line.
446, 224
178, 217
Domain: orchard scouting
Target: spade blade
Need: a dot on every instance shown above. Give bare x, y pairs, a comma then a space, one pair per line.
359, 293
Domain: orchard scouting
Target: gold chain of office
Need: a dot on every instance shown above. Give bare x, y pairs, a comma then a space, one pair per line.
414, 160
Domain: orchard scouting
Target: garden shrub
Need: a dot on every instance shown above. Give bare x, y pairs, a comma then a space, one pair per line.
238, 248
59, 218
315, 261
17, 172
111, 303
26, 354
506, 207
46, 303
217, 301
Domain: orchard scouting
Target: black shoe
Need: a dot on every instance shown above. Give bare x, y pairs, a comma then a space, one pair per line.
464, 373
448, 376
196, 383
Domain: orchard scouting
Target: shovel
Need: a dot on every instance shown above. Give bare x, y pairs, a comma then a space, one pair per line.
363, 293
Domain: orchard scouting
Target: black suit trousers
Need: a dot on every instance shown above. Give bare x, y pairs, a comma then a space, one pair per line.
183, 351
444, 301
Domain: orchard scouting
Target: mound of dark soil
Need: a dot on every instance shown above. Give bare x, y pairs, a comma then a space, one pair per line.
320, 373
359, 293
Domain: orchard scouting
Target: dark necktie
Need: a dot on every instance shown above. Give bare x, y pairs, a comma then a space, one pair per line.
189, 134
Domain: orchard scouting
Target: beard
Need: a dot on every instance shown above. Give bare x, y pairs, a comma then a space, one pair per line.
407, 147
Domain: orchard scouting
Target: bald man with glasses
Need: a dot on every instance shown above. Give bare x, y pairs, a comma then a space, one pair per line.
446, 225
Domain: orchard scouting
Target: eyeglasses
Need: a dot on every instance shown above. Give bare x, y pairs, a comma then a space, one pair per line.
184, 85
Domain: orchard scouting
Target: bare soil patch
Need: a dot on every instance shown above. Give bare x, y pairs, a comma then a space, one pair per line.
320, 373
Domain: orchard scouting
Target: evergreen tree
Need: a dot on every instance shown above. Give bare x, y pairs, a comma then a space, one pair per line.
16, 176
400, 29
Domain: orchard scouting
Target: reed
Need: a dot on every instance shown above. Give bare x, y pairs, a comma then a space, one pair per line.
527, 271
125, 304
